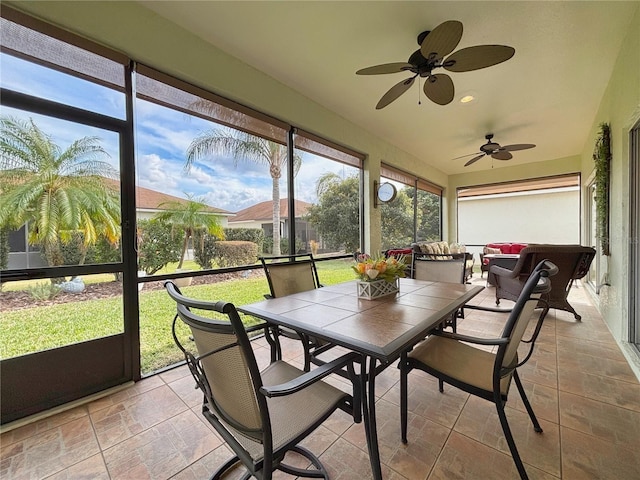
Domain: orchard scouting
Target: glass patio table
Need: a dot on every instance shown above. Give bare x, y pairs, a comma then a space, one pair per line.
379, 330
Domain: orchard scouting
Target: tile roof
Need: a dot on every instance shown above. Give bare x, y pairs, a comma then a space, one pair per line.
264, 211
147, 199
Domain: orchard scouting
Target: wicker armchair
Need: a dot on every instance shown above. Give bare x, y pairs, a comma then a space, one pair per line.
573, 263
261, 415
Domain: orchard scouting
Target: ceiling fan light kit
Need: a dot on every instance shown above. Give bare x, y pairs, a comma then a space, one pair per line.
435, 45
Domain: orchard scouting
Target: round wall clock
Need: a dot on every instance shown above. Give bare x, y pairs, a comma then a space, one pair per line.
386, 192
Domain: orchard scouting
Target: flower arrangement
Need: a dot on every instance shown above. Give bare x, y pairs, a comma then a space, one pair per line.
369, 269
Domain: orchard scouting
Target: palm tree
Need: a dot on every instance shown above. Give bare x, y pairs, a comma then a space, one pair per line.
190, 215
57, 193
244, 146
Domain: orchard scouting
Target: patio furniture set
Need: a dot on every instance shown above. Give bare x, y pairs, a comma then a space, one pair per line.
264, 415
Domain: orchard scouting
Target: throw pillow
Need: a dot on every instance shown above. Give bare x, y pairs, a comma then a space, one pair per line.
489, 250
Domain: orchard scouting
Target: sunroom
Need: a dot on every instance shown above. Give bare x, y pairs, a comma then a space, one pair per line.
163, 88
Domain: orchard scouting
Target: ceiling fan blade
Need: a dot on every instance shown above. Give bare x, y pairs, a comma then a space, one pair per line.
442, 40
467, 155
474, 160
385, 68
394, 92
439, 88
518, 146
502, 155
480, 56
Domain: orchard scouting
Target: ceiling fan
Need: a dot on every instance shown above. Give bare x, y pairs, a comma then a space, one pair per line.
494, 150
434, 46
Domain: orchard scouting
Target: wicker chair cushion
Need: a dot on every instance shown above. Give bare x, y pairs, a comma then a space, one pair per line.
450, 271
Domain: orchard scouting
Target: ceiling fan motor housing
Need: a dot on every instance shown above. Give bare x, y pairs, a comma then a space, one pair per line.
490, 147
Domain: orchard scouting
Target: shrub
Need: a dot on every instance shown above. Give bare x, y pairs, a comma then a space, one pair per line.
106, 252
204, 248
157, 245
284, 245
255, 235
75, 252
44, 291
4, 248
235, 253
4, 251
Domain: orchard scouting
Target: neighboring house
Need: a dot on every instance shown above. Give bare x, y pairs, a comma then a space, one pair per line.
23, 255
260, 215
148, 204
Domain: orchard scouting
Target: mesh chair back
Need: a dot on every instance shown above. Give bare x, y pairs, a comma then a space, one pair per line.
447, 270
229, 375
290, 274
518, 321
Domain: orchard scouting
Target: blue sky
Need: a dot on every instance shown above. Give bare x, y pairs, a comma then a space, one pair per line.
162, 138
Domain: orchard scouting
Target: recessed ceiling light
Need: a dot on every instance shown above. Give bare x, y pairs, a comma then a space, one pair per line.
467, 99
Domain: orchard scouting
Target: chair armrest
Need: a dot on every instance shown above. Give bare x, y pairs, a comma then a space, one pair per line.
308, 378
476, 340
504, 272
259, 326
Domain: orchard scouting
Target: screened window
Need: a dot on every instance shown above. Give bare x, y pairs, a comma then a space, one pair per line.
327, 182
43, 66
415, 213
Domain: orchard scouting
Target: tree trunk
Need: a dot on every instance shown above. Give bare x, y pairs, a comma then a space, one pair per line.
54, 257
276, 216
185, 244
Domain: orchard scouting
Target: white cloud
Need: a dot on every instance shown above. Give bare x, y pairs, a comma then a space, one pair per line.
153, 173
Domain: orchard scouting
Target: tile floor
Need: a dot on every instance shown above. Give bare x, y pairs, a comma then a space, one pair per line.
584, 393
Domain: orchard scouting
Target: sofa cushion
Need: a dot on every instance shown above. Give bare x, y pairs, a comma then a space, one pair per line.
518, 247
508, 248
434, 248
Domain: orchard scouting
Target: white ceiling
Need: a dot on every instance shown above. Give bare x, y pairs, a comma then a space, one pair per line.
547, 94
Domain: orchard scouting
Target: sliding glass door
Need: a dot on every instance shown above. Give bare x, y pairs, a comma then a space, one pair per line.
64, 218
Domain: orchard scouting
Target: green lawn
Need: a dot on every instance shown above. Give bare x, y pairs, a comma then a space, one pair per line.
40, 328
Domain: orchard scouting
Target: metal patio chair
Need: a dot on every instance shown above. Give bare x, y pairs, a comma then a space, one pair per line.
453, 359
261, 415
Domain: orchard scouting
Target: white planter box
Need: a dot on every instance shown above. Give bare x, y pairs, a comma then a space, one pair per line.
376, 289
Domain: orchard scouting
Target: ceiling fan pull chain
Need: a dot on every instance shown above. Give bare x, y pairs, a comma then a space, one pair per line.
419, 102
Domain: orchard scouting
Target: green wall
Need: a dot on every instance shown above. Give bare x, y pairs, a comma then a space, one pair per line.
620, 107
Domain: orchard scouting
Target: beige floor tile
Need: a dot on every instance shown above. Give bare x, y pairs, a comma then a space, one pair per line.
93, 468
479, 421
597, 387
163, 450
616, 425
50, 452
585, 457
543, 400
466, 459
608, 365
41, 426
609, 350
135, 414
